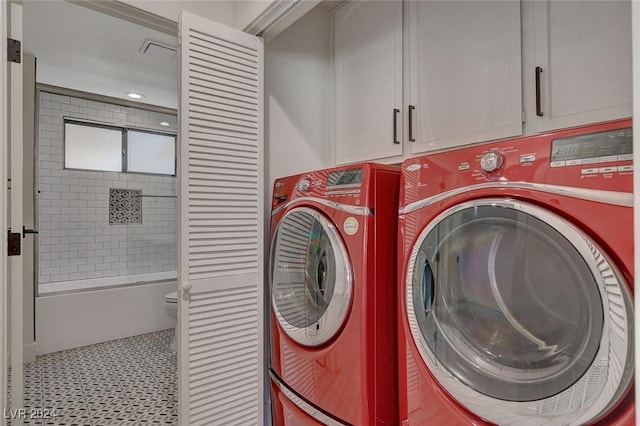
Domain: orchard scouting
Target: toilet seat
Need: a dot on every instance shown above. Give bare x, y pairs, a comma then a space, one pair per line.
171, 297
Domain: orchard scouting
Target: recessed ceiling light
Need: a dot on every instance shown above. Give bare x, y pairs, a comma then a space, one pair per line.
165, 124
134, 95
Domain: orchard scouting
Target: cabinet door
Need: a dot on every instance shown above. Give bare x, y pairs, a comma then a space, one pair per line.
367, 80
464, 72
584, 51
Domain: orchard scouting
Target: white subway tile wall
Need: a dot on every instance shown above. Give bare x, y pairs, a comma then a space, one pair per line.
76, 241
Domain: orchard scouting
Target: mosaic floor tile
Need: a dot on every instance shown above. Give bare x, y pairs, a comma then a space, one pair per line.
129, 381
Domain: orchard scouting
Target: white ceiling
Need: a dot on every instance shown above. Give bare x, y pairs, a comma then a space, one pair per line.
81, 49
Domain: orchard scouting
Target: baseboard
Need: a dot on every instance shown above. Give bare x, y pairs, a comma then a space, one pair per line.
29, 352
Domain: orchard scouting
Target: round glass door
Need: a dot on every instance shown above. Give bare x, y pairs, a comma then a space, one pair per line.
311, 279
508, 303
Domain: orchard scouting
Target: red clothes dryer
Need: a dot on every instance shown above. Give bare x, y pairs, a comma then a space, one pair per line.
334, 296
516, 281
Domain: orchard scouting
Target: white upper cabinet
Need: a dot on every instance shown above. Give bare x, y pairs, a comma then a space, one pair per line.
472, 71
464, 62
582, 51
444, 74
367, 80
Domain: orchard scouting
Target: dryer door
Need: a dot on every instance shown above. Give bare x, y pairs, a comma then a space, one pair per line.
311, 278
519, 315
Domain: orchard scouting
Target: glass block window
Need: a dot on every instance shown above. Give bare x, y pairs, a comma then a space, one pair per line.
125, 206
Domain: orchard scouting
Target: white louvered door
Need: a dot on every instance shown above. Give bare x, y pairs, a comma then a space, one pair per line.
221, 225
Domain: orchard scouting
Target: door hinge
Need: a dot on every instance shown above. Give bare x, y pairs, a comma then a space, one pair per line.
13, 243
523, 116
14, 50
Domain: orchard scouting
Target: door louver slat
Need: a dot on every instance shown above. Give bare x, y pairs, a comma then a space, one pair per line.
242, 125
213, 202
231, 163
231, 46
205, 68
231, 153
208, 46
222, 63
240, 117
202, 100
233, 145
241, 98
208, 135
221, 126
222, 193
199, 94
226, 83
220, 363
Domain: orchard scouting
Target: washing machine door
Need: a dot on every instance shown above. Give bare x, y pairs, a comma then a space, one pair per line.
311, 277
518, 315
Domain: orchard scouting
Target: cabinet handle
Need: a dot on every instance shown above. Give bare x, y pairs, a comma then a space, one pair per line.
396, 111
411, 138
539, 112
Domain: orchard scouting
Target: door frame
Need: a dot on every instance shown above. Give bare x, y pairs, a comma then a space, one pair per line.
14, 210
4, 120
635, 53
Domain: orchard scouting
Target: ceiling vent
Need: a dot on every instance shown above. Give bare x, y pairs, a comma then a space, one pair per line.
158, 50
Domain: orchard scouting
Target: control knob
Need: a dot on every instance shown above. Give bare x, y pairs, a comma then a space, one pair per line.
491, 161
304, 185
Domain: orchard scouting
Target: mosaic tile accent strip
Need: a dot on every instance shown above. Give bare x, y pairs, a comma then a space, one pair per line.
129, 381
125, 206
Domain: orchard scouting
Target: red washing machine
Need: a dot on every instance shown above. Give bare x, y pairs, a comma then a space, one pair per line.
516, 282
334, 297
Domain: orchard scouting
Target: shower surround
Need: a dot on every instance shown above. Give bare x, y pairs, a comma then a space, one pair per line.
77, 246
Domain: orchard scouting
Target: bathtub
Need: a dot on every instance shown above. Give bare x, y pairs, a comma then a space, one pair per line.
71, 318
96, 283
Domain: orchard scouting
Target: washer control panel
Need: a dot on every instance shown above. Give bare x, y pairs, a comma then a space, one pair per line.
339, 183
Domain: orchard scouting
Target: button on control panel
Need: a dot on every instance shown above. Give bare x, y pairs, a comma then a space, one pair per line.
606, 170
304, 185
491, 161
589, 171
527, 158
611, 169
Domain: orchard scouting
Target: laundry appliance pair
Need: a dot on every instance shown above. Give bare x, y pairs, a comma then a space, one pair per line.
512, 300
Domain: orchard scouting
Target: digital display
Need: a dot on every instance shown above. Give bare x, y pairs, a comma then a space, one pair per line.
350, 177
593, 146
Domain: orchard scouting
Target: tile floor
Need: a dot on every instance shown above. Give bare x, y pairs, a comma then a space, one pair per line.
130, 381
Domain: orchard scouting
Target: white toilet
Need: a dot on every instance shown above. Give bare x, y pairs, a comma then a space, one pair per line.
171, 306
